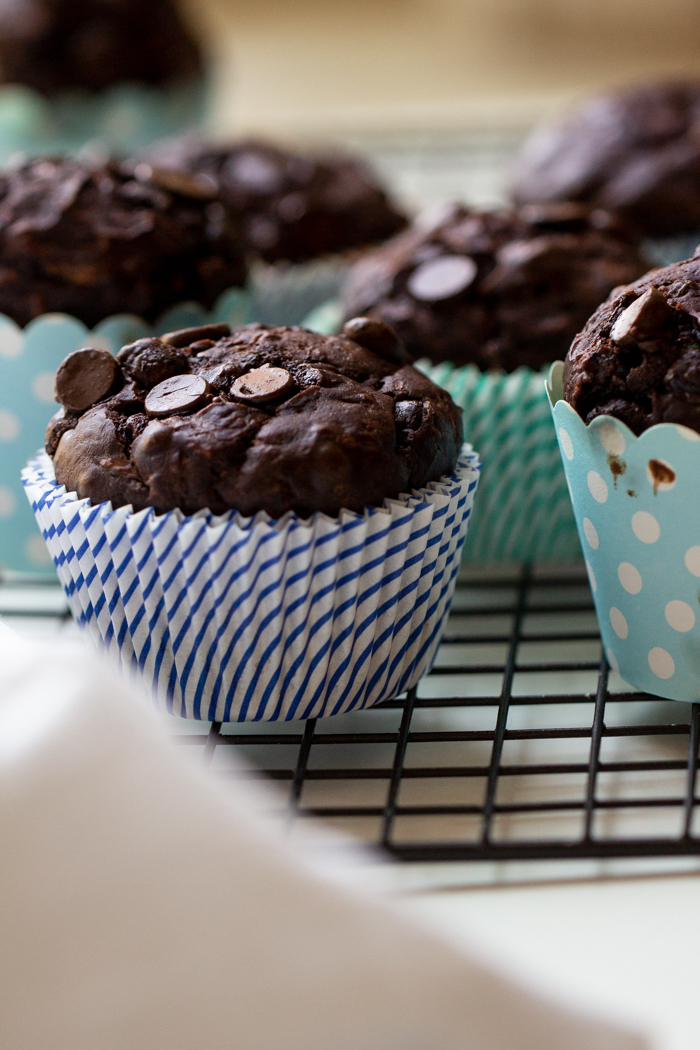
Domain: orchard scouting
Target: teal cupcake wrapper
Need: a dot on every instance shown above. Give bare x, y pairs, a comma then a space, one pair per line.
637, 507
523, 512
29, 358
122, 118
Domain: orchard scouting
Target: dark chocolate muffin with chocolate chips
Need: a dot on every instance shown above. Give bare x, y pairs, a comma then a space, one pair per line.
498, 289
636, 150
291, 206
638, 358
261, 418
98, 240
59, 45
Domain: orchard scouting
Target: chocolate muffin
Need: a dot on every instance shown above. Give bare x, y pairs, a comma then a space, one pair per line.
638, 358
59, 45
498, 289
636, 150
291, 206
261, 418
94, 241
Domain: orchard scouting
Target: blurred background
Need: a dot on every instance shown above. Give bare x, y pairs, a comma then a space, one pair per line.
394, 76
309, 67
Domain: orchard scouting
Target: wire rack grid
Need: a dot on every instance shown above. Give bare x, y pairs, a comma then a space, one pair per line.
519, 745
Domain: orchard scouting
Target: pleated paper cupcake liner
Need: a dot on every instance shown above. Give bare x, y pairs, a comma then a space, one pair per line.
637, 507
243, 619
524, 511
29, 358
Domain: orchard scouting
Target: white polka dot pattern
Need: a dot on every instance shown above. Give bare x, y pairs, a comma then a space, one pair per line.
629, 577
679, 616
692, 560
597, 486
661, 663
591, 533
619, 623
612, 439
645, 526
566, 445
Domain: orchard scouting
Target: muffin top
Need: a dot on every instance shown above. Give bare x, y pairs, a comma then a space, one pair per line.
291, 206
636, 150
498, 289
58, 45
638, 358
261, 418
97, 240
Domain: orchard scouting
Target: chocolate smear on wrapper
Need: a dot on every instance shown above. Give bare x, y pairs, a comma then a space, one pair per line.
661, 474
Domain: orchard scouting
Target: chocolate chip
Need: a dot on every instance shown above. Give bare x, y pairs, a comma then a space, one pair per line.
442, 278
200, 187
176, 394
641, 321
188, 336
85, 377
378, 337
262, 384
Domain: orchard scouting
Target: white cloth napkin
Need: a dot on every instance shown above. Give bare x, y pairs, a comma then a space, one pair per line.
143, 906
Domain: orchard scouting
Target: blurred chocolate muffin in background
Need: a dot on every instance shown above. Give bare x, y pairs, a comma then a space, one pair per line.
58, 45
636, 150
291, 206
92, 241
498, 289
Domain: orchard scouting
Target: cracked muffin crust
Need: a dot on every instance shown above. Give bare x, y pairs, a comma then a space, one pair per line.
498, 289
98, 240
638, 358
290, 206
260, 418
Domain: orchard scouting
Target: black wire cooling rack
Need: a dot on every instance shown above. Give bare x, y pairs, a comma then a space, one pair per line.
519, 745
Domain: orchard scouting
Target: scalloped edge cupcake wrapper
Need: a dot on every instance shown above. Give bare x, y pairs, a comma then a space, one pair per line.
524, 511
244, 619
29, 358
637, 507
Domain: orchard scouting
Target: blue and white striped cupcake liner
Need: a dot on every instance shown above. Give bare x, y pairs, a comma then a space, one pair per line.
242, 619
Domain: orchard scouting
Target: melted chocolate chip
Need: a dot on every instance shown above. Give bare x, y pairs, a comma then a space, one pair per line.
262, 384
442, 278
188, 336
85, 377
176, 395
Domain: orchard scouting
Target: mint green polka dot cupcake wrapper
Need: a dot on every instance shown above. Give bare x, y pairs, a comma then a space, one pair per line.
523, 512
29, 358
637, 507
